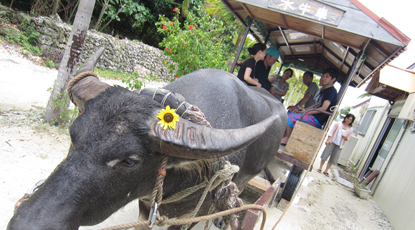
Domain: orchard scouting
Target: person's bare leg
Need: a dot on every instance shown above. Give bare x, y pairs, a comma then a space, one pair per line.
321, 165
287, 135
328, 167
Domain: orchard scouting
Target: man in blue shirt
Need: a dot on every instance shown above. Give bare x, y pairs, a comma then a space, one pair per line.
326, 100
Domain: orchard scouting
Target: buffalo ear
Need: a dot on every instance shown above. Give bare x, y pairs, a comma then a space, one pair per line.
86, 84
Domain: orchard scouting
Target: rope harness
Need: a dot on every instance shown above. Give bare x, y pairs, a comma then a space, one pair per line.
222, 175
163, 221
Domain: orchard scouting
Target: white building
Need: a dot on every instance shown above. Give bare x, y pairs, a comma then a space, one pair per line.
386, 142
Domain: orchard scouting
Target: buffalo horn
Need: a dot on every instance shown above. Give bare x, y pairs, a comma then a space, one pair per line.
194, 141
86, 84
89, 64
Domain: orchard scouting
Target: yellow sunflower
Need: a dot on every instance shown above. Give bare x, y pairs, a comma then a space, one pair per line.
168, 118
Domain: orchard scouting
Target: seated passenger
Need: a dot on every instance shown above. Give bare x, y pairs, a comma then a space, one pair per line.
308, 99
263, 68
325, 101
280, 85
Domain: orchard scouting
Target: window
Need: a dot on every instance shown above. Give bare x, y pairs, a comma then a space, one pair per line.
367, 119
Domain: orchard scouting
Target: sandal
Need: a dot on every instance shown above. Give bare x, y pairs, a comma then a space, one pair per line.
326, 173
318, 170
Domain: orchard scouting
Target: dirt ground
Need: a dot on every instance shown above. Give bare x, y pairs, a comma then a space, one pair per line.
31, 149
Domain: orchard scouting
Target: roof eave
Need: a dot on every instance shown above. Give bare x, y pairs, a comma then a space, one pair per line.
383, 22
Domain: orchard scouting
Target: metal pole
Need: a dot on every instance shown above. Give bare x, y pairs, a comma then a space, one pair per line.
242, 44
352, 71
350, 76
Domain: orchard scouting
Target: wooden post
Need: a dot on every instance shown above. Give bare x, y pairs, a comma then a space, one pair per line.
242, 44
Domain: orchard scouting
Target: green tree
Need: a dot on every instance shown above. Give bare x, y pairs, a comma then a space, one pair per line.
55, 6
133, 11
48, 7
295, 87
216, 7
104, 4
185, 8
364, 95
132, 19
345, 110
200, 42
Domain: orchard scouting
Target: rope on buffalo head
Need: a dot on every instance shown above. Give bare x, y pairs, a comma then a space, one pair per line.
176, 101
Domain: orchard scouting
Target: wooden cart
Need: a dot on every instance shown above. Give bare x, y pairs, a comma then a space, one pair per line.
301, 150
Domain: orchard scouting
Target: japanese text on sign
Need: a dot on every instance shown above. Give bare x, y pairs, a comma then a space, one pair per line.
310, 9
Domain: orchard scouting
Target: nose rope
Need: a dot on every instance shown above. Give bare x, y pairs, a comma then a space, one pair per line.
158, 188
157, 193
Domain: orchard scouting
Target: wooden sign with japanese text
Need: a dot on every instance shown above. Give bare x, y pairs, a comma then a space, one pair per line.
309, 9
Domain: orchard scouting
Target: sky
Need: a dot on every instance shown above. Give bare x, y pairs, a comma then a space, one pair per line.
400, 14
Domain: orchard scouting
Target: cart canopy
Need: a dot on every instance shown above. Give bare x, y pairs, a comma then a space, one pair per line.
313, 35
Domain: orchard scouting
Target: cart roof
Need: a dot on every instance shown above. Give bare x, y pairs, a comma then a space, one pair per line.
313, 35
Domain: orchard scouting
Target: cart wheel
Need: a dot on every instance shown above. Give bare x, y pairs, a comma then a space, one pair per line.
291, 183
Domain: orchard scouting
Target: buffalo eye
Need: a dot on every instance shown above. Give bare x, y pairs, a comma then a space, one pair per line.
129, 162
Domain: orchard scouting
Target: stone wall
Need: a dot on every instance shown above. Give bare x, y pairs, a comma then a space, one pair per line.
120, 54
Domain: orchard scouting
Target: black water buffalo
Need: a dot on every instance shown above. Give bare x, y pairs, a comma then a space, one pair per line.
117, 148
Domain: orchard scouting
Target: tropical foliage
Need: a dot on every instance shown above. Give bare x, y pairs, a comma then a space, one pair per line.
346, 110
201, 41
133, 19
133, 11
